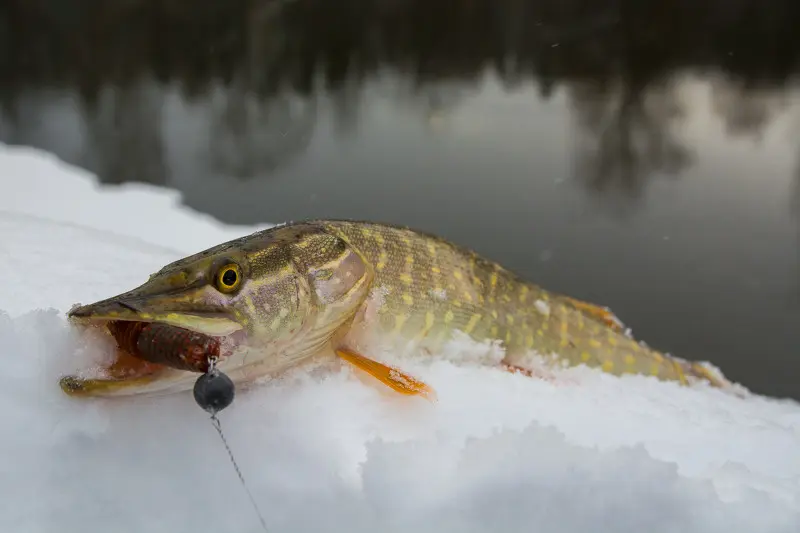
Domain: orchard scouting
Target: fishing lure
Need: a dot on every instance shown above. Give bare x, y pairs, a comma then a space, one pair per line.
166, 345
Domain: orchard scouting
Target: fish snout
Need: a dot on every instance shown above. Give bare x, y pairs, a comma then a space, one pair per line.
119, 309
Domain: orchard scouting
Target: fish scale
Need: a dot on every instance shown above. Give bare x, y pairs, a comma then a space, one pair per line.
491, 303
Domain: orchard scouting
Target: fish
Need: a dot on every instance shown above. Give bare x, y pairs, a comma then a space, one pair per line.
348, 291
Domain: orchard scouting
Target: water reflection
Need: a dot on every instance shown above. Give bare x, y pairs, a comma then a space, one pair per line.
257, 69
252, 136
513, 126
628, 135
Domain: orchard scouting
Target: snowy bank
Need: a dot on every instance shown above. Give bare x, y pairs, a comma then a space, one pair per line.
498, 452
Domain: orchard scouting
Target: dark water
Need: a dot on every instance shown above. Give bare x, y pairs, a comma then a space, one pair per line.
643, 155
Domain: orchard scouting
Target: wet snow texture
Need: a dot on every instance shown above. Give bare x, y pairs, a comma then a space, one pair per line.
327, 452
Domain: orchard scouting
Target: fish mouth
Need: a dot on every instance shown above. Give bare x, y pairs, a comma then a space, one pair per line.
127, 374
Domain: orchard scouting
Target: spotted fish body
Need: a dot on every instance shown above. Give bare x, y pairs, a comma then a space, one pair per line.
283, 296
429, 288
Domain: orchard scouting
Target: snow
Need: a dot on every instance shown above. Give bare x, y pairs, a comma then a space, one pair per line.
326, 451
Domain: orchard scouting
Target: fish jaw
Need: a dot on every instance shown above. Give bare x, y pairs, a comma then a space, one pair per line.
246, 361
213, 323
242, 366
164, 380
129, 375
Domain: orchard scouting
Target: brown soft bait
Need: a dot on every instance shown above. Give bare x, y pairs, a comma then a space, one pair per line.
166, 345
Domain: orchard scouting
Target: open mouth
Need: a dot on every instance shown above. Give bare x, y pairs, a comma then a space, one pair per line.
145, 351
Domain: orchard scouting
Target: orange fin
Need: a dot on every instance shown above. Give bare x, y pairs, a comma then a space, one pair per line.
389, 376
603, 314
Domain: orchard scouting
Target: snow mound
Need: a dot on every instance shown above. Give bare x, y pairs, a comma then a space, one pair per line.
326, 451
40, 189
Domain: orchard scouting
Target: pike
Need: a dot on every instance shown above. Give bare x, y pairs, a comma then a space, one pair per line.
287, 295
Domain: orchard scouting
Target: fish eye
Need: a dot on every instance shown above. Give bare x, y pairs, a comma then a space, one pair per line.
228, 277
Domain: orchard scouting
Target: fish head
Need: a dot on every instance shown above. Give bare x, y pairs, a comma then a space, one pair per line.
271, 298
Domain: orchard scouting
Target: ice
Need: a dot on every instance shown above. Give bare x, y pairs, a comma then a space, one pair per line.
327, 451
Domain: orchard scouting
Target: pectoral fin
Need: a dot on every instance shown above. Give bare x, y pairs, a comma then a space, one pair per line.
603, 314
389, 376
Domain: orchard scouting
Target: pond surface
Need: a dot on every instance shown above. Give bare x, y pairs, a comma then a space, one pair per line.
641, 155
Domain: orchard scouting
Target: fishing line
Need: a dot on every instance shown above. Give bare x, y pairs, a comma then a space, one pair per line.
213, 392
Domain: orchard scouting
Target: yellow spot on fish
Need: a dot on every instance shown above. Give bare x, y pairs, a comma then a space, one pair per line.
405, 278
431, 248
429, 320
179, 278
594, 343
366, 232
508, 336
506, 298
382, 259
457, 303
523, 294
436, 270
410, 259
540, 332
494, 331
655, 369
448, 317
612, 340
510, 320
467, 296
608, 366
585, 356
458, 275
679, 370
379, 239
529, 340
399, 320
473, 321
408, 299
493, 279
630, 360
494, 314
658, 357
